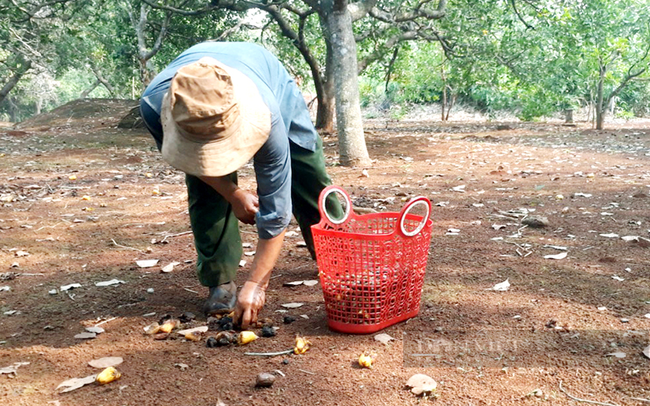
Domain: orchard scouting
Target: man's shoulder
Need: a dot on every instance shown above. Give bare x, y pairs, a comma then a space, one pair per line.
219, 46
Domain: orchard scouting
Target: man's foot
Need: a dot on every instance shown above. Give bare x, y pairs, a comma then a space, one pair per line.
221, 299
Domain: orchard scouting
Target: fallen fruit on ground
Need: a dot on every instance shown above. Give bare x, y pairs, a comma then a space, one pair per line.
196, 336
268, 331
169, 325
421, 384
264, 380
225, 338
246, 337
108, 375
302, 345
365, 361
153, 328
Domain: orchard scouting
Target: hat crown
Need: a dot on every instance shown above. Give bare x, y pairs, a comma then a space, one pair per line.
214, 119
202, 100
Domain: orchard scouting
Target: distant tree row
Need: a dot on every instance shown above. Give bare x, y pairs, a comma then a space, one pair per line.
531, 57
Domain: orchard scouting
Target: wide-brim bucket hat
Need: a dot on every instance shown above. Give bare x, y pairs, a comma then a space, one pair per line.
214, 119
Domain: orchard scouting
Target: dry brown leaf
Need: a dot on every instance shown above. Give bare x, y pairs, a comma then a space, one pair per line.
76, 383
106, 362
421, 383
85, 336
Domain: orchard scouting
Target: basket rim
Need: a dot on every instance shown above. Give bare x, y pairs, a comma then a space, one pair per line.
427, 228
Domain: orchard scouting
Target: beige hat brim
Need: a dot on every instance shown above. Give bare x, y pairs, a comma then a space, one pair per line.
225, 155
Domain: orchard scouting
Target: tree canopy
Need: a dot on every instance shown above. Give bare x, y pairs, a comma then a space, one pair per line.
533, 58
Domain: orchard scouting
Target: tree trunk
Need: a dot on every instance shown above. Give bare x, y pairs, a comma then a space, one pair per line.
147, 73
389, 71
352, 144
92, 87
568, 116
326, 108
102, 80
451, 103
13, 110
611, 105
600, 108
325, 86
444, 92
13, 81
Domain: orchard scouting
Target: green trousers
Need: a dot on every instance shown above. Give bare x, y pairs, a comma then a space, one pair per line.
216, 229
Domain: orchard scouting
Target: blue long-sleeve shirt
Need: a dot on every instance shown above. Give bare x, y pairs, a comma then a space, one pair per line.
290, 121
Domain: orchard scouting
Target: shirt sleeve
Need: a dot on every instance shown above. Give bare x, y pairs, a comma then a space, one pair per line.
273, 172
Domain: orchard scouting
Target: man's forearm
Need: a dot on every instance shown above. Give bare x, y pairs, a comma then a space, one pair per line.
266, 256
223, 185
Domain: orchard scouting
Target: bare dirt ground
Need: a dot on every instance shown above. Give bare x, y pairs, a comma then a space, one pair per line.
82, 201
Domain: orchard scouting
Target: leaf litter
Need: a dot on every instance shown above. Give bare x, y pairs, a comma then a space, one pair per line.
106, 362
109, 283
292, 305
169, 267
383, 338
11, 369
76, 383
501, 287
561, 255
421, 384
146, 263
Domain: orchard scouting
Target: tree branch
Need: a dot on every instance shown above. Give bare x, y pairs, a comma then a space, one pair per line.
25, 44
161, 35
101, 79
361, 9
514, 7
630, 76
234, 28
200, 11
381, 51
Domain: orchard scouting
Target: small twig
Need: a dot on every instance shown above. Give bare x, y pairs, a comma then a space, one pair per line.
39, 229
105, 321
124, 246
641, 399
174, 235
31, 274
269, 354
307, 372
190, 290
585, 400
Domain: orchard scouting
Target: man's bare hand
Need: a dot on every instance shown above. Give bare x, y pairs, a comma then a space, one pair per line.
245, 205
249, 302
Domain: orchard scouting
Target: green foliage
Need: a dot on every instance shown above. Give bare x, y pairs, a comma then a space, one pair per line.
535, 63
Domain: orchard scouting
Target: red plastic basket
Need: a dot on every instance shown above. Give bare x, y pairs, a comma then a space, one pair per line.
371, 266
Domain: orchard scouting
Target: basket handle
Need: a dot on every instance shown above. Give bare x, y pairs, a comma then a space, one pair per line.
417, 201
323, 199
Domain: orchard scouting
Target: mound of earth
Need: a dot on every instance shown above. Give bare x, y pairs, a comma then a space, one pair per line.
82, 112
